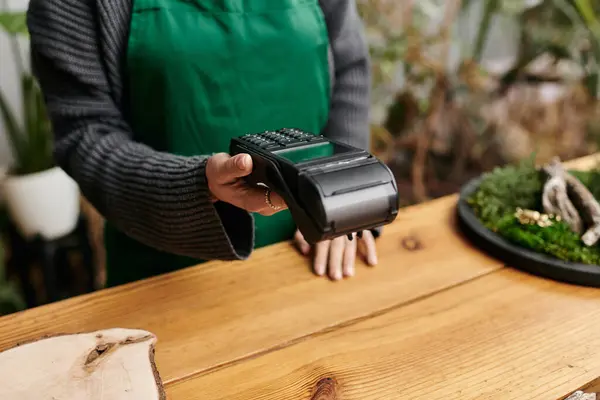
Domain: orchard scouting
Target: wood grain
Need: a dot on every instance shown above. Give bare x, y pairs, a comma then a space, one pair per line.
214, 314
218, 314
503, 336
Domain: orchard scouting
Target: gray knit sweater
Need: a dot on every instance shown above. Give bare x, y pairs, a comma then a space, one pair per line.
162, 200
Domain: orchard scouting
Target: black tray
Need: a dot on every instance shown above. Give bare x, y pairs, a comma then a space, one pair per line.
518, 257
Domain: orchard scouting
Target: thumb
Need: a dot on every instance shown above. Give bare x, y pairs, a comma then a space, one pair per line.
235, 167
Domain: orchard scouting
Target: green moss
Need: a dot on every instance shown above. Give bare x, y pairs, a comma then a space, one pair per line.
504, 189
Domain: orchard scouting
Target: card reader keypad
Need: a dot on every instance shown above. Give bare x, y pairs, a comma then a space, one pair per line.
283, 138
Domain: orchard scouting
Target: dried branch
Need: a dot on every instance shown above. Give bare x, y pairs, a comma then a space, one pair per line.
590, 209
556, 200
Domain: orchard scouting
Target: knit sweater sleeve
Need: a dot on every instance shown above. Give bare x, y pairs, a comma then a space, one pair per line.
350, 98
159, 199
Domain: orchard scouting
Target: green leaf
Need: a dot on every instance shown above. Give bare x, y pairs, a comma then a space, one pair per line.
32, 143
15, 133
37, 155
14, 23
490, 9
29, 103
514, 7
589, 15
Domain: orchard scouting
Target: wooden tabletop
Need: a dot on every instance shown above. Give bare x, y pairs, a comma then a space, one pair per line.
436, 319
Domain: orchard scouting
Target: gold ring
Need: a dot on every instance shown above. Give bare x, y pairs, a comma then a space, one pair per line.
268, 200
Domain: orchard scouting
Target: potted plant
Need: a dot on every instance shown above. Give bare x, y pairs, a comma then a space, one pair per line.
462, 86
40, 197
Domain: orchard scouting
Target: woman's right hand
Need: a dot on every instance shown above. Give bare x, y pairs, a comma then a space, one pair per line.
225, 176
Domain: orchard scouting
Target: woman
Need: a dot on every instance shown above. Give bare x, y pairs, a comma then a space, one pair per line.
145, 95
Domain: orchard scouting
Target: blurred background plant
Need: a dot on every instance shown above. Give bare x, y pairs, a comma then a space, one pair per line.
31, 138
443, 112
30, 143
40, 203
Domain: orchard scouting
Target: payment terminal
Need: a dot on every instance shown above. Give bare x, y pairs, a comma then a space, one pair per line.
331, 189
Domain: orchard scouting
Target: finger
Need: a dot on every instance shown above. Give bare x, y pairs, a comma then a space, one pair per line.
336, 254
349, 257
367, 248
301, 243
253, 199
275, 200
229, 169
321, 254
249, 198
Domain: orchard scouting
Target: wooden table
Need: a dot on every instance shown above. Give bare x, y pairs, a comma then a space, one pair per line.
436, 319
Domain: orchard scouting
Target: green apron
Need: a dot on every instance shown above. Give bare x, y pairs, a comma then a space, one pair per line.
201, 72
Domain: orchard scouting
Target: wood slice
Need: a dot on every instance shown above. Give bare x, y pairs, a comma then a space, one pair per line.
516, 256
580, 395
116, 364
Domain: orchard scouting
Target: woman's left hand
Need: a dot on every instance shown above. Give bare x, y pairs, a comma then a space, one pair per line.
336, 257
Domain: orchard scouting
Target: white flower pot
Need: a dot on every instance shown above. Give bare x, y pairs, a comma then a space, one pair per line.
44, 203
